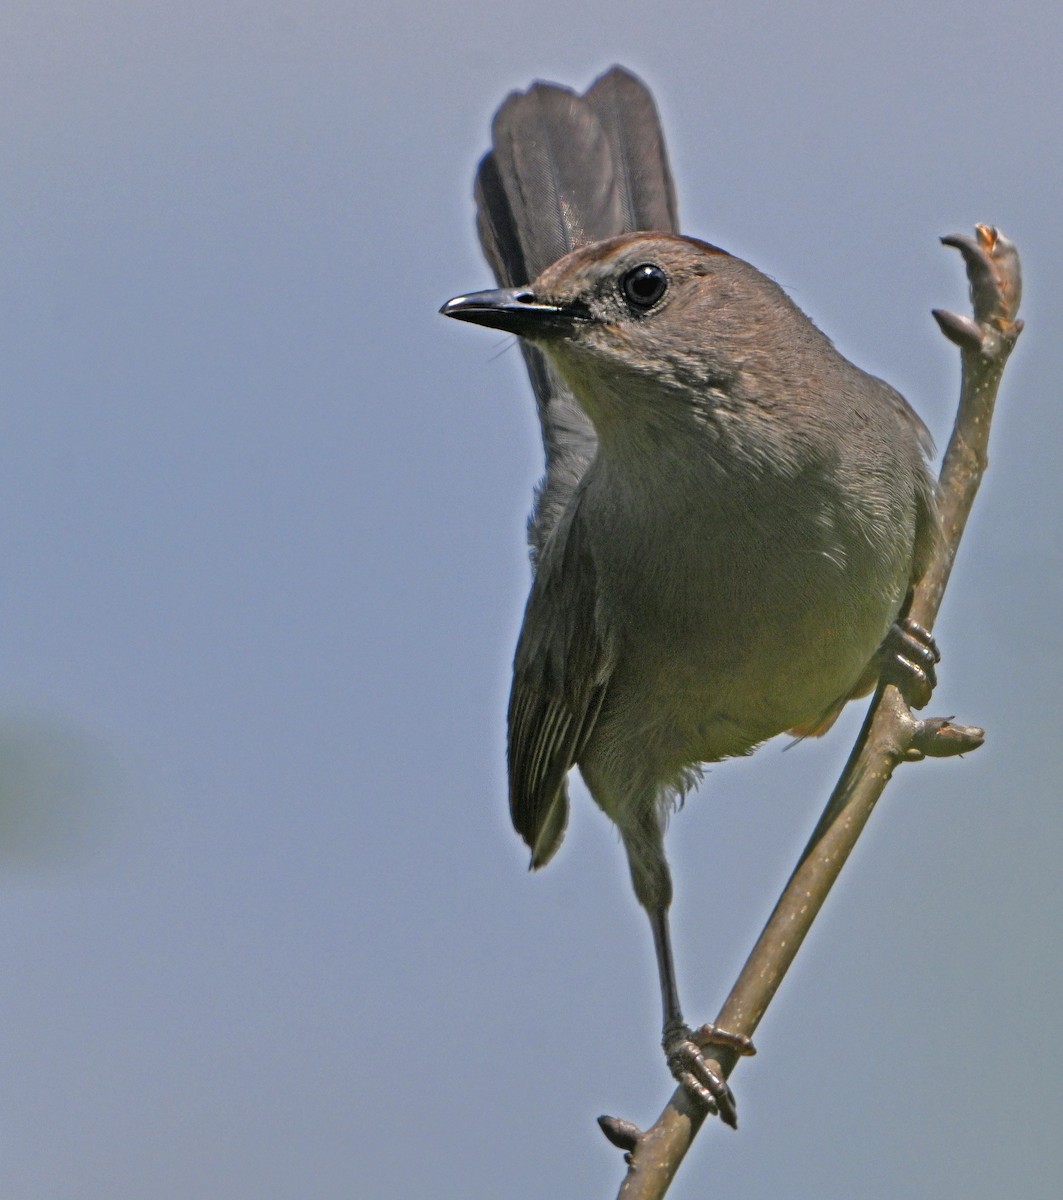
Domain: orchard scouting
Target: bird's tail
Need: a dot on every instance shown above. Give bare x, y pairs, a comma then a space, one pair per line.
565, 170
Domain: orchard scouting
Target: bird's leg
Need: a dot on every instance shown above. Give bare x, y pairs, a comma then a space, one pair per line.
641, 829
909, 656
683, 1046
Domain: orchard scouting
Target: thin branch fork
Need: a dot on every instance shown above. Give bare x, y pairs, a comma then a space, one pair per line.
890, 734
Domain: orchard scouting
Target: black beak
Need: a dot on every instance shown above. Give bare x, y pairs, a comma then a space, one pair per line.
513, 310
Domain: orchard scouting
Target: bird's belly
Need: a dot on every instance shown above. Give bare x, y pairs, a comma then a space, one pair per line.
721, 660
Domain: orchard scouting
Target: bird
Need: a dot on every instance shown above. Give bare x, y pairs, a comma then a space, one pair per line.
732, 517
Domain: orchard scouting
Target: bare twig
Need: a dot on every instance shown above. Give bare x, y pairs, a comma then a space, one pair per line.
890, 734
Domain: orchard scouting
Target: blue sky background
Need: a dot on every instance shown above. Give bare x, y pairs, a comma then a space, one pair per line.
266, 932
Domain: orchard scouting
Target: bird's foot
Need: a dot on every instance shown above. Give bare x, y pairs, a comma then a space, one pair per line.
690, 1068
910, 656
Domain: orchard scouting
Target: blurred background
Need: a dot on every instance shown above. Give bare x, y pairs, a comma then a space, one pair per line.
265, 929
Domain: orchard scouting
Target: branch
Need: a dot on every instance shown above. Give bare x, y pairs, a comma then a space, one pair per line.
890, 734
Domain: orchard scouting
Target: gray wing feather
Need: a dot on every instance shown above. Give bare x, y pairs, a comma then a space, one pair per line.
927, 520
560, 674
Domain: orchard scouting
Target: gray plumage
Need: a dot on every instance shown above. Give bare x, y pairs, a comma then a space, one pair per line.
732, 558
732, 517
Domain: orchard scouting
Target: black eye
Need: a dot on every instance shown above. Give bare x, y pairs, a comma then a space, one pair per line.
643, 286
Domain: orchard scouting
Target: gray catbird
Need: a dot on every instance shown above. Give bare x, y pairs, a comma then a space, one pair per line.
732, 517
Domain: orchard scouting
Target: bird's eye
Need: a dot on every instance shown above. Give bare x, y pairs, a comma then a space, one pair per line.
643, 286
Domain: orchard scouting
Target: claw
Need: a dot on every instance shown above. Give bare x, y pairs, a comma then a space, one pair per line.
690, 1068
910, 655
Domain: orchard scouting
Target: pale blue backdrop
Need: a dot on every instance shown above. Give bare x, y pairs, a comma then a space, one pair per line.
264, 929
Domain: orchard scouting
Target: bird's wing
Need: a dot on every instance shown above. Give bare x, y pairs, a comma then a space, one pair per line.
927, 520
928, 517
560, 676
565, 170
926, 531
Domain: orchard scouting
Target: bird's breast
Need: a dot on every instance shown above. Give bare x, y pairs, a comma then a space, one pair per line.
739, 613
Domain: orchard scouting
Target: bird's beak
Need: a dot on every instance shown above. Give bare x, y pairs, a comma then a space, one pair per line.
514, 310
